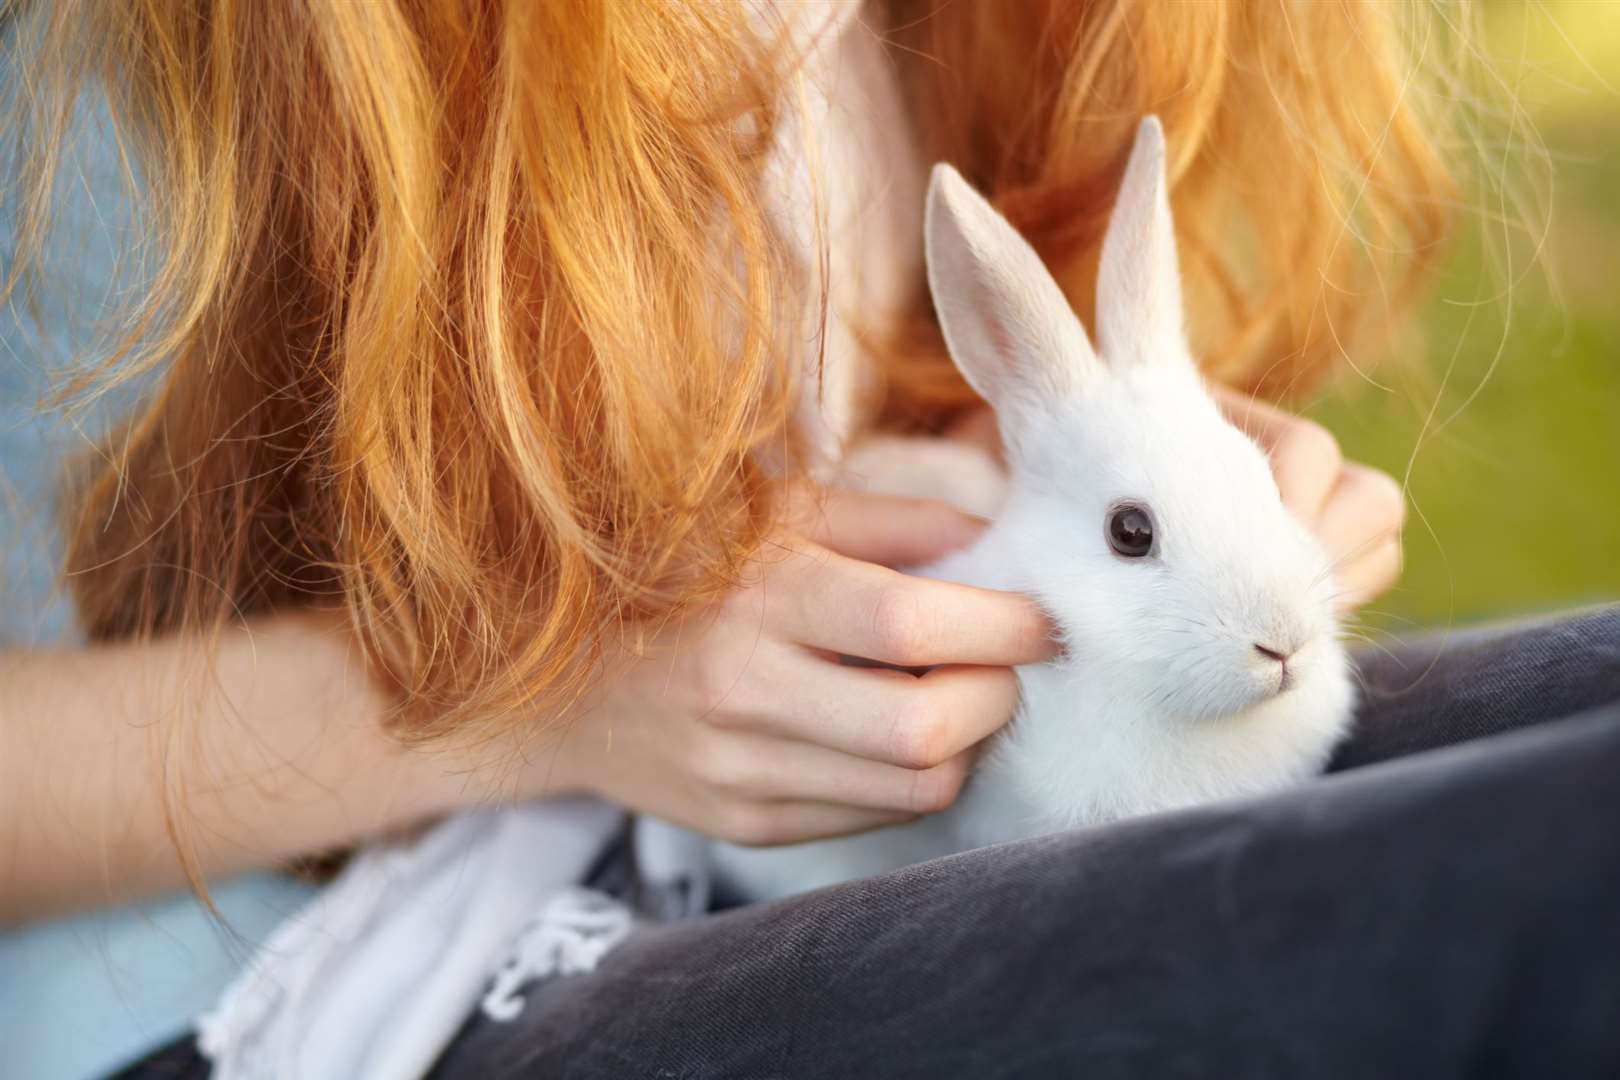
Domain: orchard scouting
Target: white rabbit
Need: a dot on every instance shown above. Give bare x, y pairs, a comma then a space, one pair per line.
1201, 656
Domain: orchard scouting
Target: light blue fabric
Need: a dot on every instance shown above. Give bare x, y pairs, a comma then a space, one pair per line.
84, 995
81, 997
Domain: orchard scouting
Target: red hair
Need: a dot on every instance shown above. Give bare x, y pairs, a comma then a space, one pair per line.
470, 319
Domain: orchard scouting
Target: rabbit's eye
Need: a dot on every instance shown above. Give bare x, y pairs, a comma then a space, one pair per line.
1130, 530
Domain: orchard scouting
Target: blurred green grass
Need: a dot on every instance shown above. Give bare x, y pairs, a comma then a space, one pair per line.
1513, 459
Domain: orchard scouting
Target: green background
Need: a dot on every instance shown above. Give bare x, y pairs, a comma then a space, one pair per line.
1512, 460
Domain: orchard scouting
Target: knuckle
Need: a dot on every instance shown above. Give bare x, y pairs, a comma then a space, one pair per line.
919, 736
897, 625
712, 685
936, 789
753, 826
1394, 558
1385, 500
744, 603
722, 769
1314, 445
1397, 561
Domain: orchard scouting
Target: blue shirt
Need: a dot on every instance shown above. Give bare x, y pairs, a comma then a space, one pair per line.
86, 994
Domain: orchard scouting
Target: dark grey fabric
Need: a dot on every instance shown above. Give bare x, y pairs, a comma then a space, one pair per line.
1447, 688
1453, 912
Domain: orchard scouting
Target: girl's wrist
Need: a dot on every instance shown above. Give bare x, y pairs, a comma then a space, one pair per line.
406, 782
462, 771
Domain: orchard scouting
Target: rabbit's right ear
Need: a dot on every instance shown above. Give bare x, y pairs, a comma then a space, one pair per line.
1007, 324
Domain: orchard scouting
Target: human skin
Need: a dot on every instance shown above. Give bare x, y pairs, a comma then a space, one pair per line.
278, 741
739, 721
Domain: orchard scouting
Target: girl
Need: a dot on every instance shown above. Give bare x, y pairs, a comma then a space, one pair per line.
503, 357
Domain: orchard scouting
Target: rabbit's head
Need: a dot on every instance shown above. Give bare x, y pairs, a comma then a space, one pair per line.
1148, 525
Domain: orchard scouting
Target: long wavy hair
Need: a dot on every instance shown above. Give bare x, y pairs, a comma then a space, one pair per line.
468, 316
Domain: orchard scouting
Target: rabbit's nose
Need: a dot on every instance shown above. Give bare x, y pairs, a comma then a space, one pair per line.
1286, 676
1272, 654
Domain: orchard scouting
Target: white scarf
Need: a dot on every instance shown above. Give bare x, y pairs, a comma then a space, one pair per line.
376, 975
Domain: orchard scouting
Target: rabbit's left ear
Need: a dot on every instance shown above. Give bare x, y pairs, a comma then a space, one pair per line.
1139, 317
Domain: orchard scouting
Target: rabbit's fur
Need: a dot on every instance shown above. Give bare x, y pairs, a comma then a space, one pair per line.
1161, 698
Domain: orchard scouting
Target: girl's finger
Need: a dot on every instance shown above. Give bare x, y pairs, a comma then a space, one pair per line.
978, 427
887, 529
891, 717
830, 602
1365, 508
1364, 578
769, 824
1305, 457
785, 770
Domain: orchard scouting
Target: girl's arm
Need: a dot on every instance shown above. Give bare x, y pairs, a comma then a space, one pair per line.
275, 741
740, 721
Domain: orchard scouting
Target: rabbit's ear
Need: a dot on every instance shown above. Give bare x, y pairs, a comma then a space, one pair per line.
1139, 316
1006, 322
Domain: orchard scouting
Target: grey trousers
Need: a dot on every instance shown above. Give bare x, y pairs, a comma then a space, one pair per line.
1445, 903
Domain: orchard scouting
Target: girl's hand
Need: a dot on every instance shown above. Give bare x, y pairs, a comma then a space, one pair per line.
1354, 510
742, 723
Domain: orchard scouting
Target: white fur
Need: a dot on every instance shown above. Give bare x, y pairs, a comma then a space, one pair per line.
1160, 699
